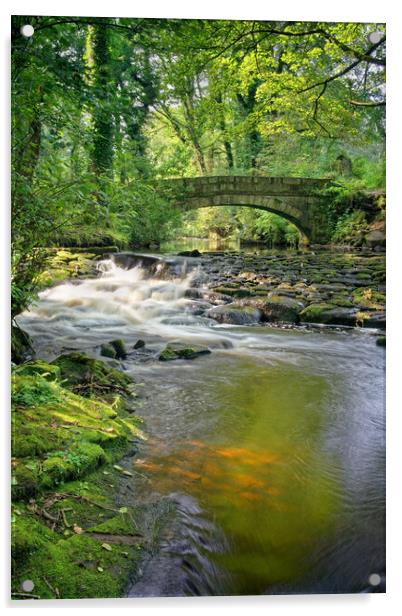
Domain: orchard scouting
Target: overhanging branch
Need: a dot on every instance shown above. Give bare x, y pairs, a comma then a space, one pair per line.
367, 103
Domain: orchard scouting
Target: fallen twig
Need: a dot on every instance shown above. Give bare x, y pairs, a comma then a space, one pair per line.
25, 594
63, 513
47, 515
54, 590
63, 495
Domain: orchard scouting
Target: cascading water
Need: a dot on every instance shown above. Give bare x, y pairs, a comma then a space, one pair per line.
270, 449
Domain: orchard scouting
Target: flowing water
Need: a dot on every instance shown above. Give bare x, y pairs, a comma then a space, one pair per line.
270, 450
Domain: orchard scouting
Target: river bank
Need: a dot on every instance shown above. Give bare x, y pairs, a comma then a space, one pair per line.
72, 420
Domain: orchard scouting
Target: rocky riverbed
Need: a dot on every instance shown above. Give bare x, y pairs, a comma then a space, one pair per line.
326, 287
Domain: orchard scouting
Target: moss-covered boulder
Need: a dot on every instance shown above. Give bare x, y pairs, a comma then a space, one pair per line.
107, 350
120, 348
58, 435
234, 291
38, 366
280, 308
86, 375
234, 314
21, 345
180, 351
329, 315
64, 264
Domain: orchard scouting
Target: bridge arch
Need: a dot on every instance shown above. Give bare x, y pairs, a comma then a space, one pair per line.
294, 199
275, 205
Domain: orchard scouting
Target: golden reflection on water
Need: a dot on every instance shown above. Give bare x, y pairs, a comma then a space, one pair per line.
262, 475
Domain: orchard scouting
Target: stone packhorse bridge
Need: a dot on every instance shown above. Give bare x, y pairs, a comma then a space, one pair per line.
296, 199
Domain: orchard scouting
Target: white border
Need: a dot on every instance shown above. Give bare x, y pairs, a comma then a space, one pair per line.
309, 10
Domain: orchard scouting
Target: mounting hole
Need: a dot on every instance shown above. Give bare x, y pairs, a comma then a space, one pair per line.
374, 579
27, 585
375, 37
27, 30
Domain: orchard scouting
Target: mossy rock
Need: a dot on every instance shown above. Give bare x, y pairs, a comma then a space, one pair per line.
178, 351
120, 348
24, 480
21, 345
121, 524
27, 536
368, 298
363, 276
234, 314
341, 301
88, 375
77, 460
381, 341
58, 435
327, 314
235, 292
38, 366
107, 350
281, 308
66, 264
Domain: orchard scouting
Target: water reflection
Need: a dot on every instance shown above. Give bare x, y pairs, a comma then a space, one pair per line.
261, 473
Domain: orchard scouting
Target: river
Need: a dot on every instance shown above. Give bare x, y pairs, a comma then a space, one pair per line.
270, 450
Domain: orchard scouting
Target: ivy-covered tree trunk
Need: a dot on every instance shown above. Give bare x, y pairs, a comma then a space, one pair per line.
226, 143
253, 138
103, 129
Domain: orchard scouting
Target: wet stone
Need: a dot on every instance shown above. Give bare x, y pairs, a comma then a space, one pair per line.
234, 314
174, 351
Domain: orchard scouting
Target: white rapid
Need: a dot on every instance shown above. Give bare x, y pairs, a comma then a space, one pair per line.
120, 303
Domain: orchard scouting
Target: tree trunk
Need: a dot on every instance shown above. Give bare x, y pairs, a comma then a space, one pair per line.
226, 143
102, 154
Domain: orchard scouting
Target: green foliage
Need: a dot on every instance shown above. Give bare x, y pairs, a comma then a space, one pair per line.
34, 392
243, 223
350, 228
267, 96
276, 231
